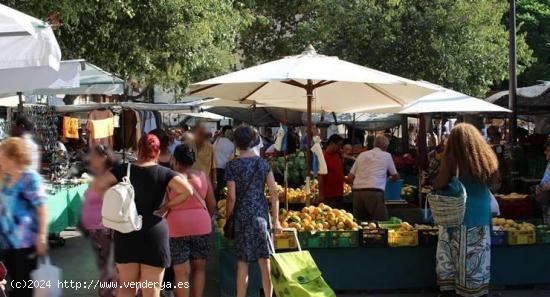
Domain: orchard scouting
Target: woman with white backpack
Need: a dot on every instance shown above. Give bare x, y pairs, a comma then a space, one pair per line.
142, 253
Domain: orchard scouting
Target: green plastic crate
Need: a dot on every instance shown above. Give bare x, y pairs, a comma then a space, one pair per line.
344, 239
392, 223
312, 240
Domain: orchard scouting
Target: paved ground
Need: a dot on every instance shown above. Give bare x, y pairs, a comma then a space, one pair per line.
78, 264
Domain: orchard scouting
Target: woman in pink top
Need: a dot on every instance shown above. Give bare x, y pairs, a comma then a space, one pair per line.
101, 160
190, 226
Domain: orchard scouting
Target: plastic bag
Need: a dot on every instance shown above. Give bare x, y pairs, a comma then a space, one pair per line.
495, 208
46, 278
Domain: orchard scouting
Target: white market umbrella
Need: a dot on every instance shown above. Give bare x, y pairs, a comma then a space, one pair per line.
26, 41
307, 80
447, 101
333, 85
26, 79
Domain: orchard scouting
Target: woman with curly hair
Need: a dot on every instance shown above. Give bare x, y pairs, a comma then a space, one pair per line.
464, 253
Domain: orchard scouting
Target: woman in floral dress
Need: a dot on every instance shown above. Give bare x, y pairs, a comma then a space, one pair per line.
246, 178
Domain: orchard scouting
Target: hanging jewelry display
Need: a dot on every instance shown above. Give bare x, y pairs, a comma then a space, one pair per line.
46, 134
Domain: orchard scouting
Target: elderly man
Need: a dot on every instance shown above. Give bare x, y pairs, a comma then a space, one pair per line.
368, 176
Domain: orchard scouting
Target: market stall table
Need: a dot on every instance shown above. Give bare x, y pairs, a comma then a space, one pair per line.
400, 268
64, 205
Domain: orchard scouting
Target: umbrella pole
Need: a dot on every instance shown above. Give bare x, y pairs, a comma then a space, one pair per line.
285, 121
20, 104
309, 92
353, 131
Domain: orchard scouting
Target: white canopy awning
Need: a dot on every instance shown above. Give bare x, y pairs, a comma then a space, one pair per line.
26, 42
133, 105
29, 78
205, 115
446, 101
530, 100
93, 80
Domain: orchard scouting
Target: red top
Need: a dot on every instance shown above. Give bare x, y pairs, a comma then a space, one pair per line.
333, 181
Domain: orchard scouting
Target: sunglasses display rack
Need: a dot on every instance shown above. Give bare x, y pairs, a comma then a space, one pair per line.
46, 134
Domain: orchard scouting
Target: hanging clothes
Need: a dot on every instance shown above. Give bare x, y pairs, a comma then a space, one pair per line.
130, 129
100, 127
159, 119
70, 127
280, 140
139, 127
318, 152
150, 122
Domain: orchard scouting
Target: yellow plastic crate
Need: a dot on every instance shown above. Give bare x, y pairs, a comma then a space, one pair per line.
522, 237
285, 241
397, 238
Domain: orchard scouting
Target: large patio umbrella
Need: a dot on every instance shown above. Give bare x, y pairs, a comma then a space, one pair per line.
446, 101
26, 41
311, 80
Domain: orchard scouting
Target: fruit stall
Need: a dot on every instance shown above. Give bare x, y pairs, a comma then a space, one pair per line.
392, 254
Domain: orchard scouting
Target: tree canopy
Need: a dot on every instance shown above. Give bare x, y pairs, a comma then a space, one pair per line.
459, 44
165, 42
533, 17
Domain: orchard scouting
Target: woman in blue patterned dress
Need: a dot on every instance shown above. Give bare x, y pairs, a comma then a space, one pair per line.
463, 258
23, 219
246, 178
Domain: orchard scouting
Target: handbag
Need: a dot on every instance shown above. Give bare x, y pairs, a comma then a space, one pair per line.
448, 211
229, 228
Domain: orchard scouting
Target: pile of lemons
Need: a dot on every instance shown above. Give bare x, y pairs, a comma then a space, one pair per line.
320, 218
511, 225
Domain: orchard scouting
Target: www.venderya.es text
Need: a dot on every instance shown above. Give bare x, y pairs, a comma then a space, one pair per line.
96, 285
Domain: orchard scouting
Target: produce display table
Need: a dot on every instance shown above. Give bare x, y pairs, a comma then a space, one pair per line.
64, 207
400, 268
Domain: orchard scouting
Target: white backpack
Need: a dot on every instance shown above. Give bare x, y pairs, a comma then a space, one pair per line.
119, 210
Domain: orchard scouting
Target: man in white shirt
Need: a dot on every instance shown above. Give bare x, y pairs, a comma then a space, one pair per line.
224, 151
368, 177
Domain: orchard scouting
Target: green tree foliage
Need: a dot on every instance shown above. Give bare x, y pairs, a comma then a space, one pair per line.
165, 42
533, 17
272, 33
460, 44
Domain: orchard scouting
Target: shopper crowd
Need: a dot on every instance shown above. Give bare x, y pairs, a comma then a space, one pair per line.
178, 177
